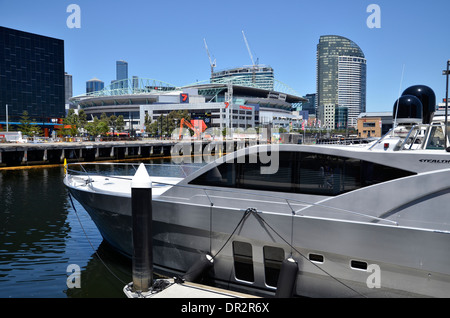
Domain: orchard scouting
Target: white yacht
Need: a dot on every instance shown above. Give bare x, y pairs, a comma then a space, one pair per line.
360, 221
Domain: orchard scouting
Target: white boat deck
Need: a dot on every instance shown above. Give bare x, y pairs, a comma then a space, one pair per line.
185, 290
120, 185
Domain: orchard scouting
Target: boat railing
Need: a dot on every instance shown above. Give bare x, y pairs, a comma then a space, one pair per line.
211, 193
127, 170
407, 141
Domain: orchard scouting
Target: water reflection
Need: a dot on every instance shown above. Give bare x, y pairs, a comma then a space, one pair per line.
41, 234
105, 275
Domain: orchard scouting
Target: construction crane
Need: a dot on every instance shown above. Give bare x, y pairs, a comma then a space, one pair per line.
251, 57
248, 48
211, 62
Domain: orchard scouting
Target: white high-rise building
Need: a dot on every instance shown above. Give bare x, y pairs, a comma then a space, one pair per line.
352, 86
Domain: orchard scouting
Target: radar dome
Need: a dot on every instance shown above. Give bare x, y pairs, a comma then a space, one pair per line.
427, 98
408, 110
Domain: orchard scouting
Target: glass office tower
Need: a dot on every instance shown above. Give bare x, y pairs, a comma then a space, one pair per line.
341, 75
31, 76
121, 70
309, 106
121, 81
68, 87
94, 85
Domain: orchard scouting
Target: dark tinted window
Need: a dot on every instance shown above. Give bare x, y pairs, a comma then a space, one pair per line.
243, 261
297, 172
273, 258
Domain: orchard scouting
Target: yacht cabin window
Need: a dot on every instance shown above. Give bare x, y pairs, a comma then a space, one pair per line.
243, 261
301, 172
436, 138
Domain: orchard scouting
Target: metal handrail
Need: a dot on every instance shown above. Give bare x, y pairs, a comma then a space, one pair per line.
82, 164
409, 134
241, 192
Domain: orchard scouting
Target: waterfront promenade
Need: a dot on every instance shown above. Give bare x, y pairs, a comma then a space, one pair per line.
31, 154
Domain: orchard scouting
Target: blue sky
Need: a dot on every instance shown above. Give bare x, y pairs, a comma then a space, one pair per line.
163, 40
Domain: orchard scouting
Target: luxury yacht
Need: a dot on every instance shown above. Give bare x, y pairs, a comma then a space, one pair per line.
359, 221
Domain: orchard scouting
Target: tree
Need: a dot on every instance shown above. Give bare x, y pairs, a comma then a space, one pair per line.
112, 122
72, 120
97, 127
29, 127
104, 118
120, 123
165, 125
82, 118
282, 130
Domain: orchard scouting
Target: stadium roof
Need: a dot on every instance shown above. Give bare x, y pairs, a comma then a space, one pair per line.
137, 91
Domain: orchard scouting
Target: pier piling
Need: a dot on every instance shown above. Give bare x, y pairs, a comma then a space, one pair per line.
141, 210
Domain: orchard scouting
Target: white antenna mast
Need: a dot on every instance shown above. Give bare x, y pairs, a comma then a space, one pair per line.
398, 100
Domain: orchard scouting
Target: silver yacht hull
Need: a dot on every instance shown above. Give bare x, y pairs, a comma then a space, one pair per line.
357, 255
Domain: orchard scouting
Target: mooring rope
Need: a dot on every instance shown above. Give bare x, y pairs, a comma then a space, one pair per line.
255, 212
90, 243
246, 214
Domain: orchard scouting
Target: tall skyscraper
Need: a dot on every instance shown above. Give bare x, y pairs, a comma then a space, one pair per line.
31, 75
341, 77
68, 87
120, 82
94, 85
121, 70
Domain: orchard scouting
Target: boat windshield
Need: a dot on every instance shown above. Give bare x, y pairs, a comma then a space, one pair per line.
436, 139
301, 172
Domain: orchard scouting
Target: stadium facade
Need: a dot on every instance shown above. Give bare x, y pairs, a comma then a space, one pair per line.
219, 105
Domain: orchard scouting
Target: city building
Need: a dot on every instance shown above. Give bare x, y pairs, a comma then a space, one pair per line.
94, 85
310, 104
68, 89
121, 70
217, 105
352, 86
31, 77
375, 124
341, 117
341, 76
121, 80
327, 115
260, 76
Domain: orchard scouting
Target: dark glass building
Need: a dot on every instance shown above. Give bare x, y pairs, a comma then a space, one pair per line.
310, 105
31, 76
94, 85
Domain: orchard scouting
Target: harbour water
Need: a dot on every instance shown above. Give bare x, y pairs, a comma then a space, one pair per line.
42, 237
